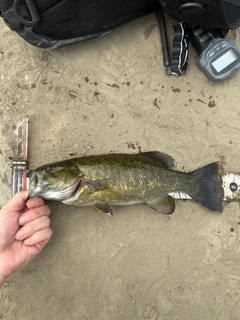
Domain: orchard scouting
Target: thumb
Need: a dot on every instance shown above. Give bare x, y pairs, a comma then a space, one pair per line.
18, 202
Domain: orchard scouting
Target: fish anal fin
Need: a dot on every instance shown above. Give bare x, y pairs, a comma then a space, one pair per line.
166, 160
104, 208
164, 205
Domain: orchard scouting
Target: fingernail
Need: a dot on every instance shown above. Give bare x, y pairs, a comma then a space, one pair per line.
19, 235
23, 219
27, 242
32, 203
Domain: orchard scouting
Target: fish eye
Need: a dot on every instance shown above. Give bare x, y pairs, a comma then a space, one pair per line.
48, 169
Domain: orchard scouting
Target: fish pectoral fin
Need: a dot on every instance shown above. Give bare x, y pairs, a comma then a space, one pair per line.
98, 185
103, 207
164, 205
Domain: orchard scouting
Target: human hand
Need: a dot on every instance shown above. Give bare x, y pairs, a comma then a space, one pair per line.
24, 232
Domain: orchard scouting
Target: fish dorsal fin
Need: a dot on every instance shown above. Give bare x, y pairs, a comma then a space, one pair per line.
103, 207
166, 161
164, 205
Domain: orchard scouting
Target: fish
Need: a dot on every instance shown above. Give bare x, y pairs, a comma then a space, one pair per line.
107, 180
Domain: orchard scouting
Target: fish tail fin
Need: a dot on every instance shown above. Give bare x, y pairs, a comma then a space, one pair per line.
208, 191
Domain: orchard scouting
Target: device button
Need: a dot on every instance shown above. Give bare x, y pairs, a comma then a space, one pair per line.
224, 44
211, 54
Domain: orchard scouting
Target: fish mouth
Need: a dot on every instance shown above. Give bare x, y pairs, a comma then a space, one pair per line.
35, 184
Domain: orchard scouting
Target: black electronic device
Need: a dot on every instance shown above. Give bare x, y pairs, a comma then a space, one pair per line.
218, 58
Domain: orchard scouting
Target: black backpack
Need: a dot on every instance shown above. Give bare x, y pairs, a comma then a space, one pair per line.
57, 23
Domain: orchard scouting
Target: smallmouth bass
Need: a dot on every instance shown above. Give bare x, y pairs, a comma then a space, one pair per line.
124, 179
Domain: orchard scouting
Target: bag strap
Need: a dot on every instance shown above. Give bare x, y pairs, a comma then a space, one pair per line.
209, 14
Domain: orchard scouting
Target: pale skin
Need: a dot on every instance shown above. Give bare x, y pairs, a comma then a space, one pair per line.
24, 232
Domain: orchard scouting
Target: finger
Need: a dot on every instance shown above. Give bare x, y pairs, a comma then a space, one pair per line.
35, 203
34, 214
33, 226
18, 202
40, 238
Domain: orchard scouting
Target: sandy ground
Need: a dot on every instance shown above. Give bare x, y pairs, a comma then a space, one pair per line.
112, 95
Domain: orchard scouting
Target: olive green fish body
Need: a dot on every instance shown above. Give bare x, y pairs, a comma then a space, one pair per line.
122, 179
123, 184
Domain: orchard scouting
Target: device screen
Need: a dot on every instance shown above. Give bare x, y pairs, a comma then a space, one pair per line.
224, 61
